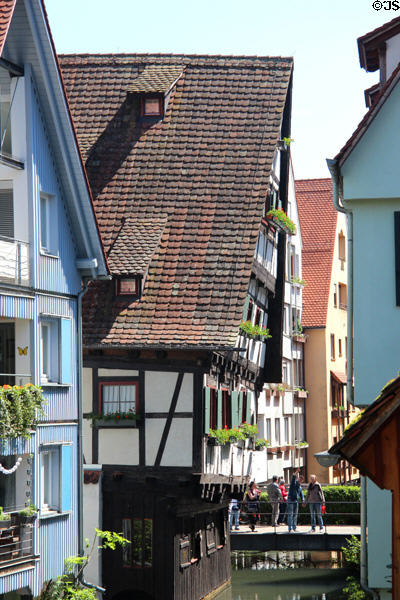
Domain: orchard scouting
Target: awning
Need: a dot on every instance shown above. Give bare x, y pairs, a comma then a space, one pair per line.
339, 376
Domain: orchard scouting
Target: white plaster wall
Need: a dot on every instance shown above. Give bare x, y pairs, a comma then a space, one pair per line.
154, 429
159, 389
119, 446
91, 521
87, 396
117, 373
87, 440
185, 399
178, 449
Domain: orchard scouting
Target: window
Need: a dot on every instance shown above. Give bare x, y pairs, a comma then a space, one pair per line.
298, 380
5, 114
56, 350
213, 408
128, 287
340, 347
342, 247
118, 397
210, 539
342, 296
151, 107
286, 319
48, 224
286, 430
226, 409
55, 478
139, 553
285, 373
250, 310
332, 347
278, 432
335, 295
268, 429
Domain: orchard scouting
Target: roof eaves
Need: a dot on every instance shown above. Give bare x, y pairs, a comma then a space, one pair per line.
370, 115
6, 5
385, 31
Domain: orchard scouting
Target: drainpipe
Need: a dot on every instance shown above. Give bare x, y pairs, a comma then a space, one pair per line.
80, 439
334, 170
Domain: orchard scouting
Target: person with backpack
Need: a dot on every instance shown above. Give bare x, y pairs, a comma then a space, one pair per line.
295, 493
315, 499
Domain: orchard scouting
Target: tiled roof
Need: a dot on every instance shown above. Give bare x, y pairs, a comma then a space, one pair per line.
318, 219
6, 12
369, 43
156, 78
134, 246
205, 167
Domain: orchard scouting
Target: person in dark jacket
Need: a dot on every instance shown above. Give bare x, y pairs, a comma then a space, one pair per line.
252, 500
275, 497
295, 493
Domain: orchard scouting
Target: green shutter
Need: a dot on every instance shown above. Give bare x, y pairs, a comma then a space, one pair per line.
240, 407
207, 394
219, 409
235, 409
248, 407
246, 307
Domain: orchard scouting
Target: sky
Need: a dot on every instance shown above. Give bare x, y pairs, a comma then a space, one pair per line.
321, 35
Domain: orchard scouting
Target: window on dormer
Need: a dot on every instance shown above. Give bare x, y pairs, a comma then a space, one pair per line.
151, 107
128, 286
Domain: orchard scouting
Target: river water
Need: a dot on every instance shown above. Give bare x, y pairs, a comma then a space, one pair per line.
286, 576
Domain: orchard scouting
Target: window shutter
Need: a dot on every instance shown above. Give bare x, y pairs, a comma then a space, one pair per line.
66, 350
248, 407
397, 254
7, 213
235, 409
240, 408
219, 410
207, 393
66, 478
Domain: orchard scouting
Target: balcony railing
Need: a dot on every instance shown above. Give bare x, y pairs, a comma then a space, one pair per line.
16, 544
14, 261
15, 378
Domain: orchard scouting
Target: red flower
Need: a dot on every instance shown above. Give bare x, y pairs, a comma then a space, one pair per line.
117, 416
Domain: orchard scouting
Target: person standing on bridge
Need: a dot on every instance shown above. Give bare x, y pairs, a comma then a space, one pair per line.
295, 493
275, 497
315, 499
252, 500
282, 505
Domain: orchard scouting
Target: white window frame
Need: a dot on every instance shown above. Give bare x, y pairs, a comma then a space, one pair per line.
278, 432
286, 430
50, 355
50, 479
268, 429
48, 233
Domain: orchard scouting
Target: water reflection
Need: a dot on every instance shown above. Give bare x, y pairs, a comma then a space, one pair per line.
286, 576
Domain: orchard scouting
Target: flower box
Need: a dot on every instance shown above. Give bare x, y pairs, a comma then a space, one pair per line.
301, 393
299, 338
272, 450
116, 423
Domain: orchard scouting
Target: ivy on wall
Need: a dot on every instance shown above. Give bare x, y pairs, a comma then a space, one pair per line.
21, 407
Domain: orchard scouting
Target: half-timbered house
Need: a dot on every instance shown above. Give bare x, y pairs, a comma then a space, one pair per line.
186, 156
49, 245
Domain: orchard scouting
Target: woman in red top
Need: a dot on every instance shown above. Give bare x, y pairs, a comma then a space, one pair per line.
282, 505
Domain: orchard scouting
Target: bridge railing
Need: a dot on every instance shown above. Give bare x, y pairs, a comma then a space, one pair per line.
349, 514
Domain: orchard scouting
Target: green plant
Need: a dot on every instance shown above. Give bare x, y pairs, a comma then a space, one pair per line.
253, 331
299, 281
354, 421
288, 141
235, 434
303, 444
280, 217
248, 430
352, 552
69, 586
281, 387
299, 389
21, 408
221, 435
262, 443
29, 511
115, 416
4, 516
353, 589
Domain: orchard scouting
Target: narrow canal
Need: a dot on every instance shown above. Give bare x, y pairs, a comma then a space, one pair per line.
286, 576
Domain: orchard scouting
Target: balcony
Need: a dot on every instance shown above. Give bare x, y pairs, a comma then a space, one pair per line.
14, 261
16, 544
231, 460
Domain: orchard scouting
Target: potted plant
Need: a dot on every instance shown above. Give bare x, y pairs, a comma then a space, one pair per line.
261, 443
280, 218
28, 514
5, 519
220, 437
301, 393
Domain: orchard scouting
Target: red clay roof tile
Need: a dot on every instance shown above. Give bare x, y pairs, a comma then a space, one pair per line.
318, 219
205, 168
6, 12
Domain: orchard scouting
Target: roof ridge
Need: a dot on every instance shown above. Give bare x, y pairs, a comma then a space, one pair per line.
177, 55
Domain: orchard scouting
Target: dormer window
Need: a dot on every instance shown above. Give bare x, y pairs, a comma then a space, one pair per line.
151, 106
128, 286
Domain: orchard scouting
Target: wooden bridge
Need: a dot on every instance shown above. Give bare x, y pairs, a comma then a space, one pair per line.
265, 538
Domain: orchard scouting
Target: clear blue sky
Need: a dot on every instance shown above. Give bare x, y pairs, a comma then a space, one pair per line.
321, 35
